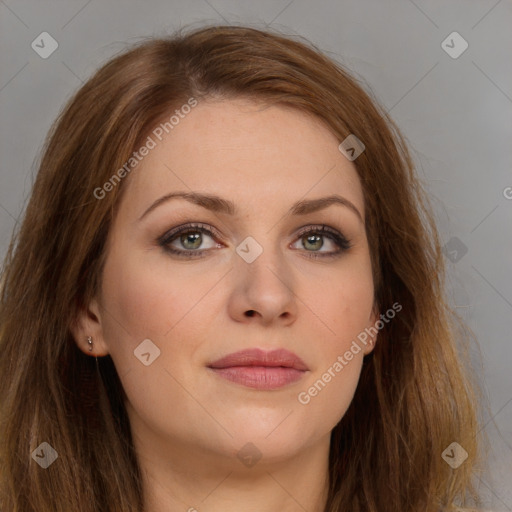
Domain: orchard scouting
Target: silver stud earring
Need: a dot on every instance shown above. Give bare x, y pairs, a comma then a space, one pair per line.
89, 341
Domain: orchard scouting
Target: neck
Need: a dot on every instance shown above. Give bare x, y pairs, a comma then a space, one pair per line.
194, 479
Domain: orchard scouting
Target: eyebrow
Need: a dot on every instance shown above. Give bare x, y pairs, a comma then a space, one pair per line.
218, 204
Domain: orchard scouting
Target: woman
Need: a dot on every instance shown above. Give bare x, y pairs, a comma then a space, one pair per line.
227, 292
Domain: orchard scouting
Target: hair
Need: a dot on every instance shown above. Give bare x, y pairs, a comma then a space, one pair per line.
415, 395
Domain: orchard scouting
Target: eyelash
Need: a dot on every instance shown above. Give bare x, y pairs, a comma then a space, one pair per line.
340, 240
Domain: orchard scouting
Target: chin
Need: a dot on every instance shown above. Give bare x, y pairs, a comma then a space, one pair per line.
278, 441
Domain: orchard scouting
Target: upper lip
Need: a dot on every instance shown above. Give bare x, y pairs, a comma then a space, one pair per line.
259, 357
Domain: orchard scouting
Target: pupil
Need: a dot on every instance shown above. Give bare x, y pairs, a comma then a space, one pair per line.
314, 238
193, 238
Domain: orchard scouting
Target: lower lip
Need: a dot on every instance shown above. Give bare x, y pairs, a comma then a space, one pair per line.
260, 377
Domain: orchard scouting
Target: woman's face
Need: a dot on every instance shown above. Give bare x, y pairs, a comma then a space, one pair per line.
253, 281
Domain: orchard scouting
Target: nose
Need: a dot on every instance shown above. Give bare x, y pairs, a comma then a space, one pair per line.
263, 291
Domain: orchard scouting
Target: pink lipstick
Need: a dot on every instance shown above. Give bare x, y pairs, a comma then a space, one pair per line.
259, 369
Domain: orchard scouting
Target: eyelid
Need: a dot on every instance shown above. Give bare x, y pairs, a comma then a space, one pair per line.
200, 226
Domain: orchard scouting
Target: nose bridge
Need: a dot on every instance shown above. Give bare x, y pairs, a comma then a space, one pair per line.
262, 276
261, 260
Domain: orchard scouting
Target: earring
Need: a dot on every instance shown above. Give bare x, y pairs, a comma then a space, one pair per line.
89, 341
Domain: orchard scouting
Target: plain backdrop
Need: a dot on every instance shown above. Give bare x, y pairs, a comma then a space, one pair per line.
454, 108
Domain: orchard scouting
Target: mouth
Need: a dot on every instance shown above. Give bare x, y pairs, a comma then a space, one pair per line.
259, 369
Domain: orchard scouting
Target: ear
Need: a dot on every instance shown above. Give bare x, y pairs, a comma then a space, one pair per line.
372, 330
88, 324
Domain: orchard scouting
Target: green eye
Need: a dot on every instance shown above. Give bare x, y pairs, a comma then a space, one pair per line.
195, 240
191, 238
312, 239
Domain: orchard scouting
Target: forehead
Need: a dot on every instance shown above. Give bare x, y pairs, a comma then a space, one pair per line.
251, 153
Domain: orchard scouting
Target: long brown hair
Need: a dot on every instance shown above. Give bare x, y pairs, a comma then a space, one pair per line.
415, 396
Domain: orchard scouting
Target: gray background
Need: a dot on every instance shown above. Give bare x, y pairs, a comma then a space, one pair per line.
455, 112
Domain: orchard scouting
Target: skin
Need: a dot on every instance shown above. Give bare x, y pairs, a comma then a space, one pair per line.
188, 423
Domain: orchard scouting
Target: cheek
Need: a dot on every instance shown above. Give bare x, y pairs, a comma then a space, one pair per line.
327, 396
343, 305
135, 299
145, 300
328, 392
343, 312
140, 304
148, 303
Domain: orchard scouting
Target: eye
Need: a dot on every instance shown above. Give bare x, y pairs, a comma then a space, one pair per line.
312, 240
187, 241
184, 241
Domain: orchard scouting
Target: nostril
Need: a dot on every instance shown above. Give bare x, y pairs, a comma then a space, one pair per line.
250, 312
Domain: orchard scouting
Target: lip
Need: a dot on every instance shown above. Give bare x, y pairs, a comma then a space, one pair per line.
260, 369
